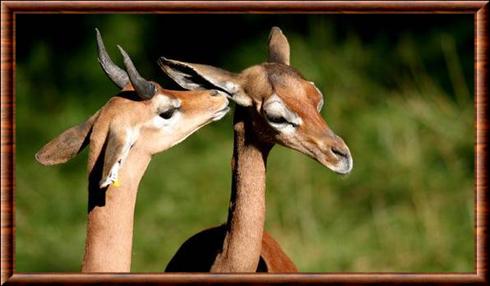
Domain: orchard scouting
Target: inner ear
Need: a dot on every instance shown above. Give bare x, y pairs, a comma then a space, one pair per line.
196, 76
189, 78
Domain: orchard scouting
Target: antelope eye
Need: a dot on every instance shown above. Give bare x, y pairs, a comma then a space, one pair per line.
276, 119
168, 114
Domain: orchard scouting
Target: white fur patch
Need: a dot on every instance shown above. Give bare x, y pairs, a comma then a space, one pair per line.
112, 176
164, 102
132, 135
242, 100
275, 106
176, 103
288, 129
168, 125
231, 87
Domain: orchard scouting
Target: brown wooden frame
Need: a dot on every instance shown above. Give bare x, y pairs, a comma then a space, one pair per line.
10, 8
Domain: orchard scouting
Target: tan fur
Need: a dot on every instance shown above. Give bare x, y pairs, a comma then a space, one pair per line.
244, 247
242, 244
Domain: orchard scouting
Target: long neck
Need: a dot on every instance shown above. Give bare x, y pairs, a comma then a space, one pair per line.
243, 240
110, 219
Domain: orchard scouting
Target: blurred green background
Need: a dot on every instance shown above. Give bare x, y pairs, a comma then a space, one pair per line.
398, 89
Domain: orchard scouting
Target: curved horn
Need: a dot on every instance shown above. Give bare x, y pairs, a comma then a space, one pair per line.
144, 88
115, 73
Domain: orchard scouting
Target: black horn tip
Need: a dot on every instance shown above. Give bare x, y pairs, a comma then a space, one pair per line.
144, 88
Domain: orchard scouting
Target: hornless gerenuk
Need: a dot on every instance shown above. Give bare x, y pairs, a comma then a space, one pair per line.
142, 120
275, 104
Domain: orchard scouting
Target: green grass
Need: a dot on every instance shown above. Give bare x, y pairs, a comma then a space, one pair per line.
406, 207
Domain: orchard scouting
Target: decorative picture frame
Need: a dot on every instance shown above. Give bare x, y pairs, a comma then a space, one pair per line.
9, 9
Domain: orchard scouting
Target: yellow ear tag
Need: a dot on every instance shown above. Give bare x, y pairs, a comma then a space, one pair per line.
116, 183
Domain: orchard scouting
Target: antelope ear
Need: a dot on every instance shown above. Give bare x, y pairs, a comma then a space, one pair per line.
119, 142
67, 145
278, 47
197, 77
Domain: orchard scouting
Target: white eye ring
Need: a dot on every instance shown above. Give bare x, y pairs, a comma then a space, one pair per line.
274, 113
279, 117
276, 119
168, 124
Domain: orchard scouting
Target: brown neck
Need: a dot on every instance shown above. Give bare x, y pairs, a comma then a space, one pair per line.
110, 218
243, 240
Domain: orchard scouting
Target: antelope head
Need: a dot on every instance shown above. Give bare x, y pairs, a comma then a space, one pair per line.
284, 107
143, 118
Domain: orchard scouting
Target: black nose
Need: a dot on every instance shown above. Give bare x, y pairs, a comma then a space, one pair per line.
340, 152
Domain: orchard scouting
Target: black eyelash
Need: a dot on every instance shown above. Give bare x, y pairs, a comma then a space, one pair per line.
167, 114
277, 119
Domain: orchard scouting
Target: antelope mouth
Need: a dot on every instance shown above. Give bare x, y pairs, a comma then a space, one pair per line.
221, 113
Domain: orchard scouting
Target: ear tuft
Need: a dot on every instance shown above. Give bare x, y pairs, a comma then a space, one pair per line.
278, 47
